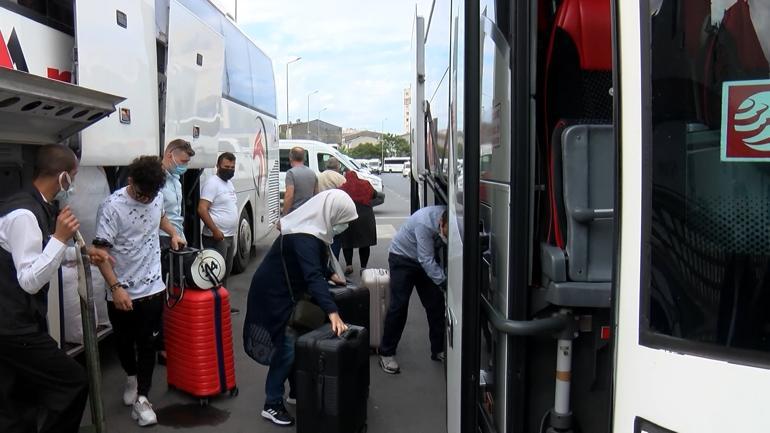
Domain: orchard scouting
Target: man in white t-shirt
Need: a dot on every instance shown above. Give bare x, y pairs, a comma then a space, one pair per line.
127, 226
218, 208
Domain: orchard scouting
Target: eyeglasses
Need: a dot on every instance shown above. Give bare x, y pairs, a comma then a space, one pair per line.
142, 196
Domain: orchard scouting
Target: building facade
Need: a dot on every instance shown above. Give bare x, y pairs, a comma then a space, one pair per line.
314, 130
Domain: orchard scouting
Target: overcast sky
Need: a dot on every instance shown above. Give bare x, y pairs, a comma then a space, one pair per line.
356, 53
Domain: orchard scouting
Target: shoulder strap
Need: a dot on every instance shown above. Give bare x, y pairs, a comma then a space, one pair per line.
286, 272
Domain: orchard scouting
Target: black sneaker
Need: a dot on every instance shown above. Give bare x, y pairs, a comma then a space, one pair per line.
440, 357
277, 414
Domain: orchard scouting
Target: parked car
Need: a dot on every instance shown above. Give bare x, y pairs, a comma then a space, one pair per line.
407, 169
316, 155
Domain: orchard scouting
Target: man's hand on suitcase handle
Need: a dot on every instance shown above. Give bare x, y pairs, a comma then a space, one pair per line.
338, 326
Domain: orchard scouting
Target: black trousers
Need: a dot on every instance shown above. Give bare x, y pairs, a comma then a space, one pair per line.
363, 255
35, 372
406, 274
135, 335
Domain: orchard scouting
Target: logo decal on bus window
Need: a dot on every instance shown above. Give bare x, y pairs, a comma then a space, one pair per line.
260, 157
746, 121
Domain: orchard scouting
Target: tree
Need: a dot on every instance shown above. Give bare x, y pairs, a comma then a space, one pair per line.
364, 151
396, 146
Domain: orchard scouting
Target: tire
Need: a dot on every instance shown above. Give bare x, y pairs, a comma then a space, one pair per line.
242, 254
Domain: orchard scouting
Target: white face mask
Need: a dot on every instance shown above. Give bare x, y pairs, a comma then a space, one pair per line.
64, 194
339, 228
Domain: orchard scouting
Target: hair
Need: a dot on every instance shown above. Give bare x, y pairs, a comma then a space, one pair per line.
52, 159
297, 154
444, 218
147, 173
225, 156
333, 164
182, 145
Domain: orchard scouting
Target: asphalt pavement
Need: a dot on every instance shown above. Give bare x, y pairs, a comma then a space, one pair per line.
410, 402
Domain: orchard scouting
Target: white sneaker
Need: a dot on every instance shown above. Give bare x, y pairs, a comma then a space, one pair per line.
129, 392
142, 412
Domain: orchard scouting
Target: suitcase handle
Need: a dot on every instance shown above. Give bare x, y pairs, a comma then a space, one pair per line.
350, 333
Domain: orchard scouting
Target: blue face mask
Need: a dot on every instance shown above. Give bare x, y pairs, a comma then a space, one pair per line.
179, 169
339, 228
64, 194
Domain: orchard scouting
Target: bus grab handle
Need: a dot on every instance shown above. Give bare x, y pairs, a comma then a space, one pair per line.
550, 325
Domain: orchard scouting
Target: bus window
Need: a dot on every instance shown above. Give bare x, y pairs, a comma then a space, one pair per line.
284, 158
707, 285
237, 65
263, 81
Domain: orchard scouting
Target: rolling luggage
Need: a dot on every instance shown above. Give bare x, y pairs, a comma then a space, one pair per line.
353, 304
332, 376
198, 327
378, 283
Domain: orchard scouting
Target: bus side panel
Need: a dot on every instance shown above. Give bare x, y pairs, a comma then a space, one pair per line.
196, 58
265, 171
46, 52
117, 54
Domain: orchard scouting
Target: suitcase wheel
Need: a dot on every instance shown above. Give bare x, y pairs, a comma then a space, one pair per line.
203, 402
234, 392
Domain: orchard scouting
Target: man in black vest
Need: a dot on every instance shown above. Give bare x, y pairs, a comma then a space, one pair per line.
33, 234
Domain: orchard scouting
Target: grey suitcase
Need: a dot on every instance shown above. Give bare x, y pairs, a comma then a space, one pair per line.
378, 283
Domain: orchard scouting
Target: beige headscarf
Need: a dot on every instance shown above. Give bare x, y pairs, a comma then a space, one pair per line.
318, 215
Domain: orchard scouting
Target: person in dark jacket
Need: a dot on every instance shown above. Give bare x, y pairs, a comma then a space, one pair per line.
33, 238
303, 248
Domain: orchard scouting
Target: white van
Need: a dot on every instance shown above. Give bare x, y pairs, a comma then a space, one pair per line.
316, 155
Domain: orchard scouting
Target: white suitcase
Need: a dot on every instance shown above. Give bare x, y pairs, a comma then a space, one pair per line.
378, 283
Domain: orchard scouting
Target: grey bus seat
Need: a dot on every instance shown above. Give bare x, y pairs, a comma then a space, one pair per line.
580, 273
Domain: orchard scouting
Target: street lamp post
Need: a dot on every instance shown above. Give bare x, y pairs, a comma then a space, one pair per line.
288, 126
318, 125
308, 109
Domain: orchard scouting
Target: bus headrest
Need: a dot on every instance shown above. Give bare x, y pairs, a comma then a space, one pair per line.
588, 23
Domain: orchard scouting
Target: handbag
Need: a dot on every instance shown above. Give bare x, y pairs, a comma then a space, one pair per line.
306, 316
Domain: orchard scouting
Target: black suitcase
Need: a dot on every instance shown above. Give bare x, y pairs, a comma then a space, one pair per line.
352, 304
332, 375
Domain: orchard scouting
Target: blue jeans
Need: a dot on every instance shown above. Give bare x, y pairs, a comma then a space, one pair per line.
280, 367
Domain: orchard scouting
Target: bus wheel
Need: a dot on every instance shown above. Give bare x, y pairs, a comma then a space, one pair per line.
243, 251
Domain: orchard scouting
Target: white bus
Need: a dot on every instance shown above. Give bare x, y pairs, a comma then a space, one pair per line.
394, 164
604, 163
179, 69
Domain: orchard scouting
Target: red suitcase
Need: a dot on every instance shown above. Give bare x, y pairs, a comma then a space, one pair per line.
199, 343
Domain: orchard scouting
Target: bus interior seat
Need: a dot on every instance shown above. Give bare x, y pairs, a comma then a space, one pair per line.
577, 264
588, 191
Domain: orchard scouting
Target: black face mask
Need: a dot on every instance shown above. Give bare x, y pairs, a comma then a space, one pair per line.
226, 174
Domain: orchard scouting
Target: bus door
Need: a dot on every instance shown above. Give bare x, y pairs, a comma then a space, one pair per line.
195, 57
116, 53
693, 329
195, 61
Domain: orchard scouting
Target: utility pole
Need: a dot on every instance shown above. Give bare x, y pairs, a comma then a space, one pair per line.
318, 124
288, 125
382, 140
308, 110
